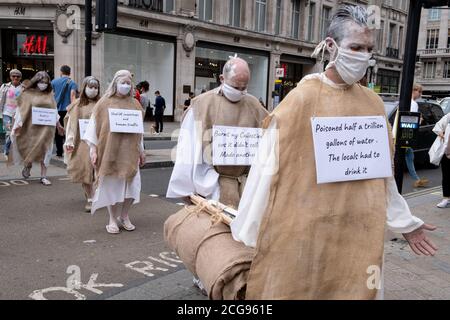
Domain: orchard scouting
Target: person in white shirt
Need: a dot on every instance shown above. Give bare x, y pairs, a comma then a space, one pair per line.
321, 241
9, 92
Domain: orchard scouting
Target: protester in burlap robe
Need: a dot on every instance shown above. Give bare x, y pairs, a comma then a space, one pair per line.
31, 142
207, 248
322, 241
116, 157
76, 157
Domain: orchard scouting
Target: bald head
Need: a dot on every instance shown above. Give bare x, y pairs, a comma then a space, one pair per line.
236, 73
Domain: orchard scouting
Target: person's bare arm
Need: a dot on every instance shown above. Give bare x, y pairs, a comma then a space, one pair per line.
73, 96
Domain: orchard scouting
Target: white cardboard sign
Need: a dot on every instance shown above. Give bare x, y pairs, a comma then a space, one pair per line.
83, 123
351, 148
235, 146
43, 116
126, 121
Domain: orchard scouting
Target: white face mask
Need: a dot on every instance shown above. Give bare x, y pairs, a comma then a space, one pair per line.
91, 93
42, 86
123, 88
351, 65
233, 94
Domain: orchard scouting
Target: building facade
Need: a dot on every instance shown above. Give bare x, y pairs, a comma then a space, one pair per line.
181, 45
433, 67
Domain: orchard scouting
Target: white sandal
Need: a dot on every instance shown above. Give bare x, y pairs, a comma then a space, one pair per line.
127, 225
110, 228
46, 182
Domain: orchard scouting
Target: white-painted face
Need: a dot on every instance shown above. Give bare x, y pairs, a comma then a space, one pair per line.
358, 39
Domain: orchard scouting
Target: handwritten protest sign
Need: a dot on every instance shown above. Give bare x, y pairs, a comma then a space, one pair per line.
351, 148
83, 126
126, 121
43, 116
235, 146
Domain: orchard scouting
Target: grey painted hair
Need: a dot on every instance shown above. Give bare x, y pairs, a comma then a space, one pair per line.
120, 75
344, 14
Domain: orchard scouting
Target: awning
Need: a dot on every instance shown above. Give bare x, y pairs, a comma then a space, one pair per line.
287, 58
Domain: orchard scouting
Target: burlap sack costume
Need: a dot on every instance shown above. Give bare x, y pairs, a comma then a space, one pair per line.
205, 245
117, 153
79, 165
33, 141
317, 241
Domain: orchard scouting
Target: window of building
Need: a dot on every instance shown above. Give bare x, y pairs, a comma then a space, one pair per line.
432, 38
260, 14
326, 20
380, 38
169, 6
391, 35
448, 39
205, 10
447, 69
400, 39
147, 59
235, 13
311, 21
429, 70
278, 18
295, 19
434, 14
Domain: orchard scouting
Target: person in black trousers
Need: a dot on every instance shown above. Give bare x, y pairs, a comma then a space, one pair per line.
160, 106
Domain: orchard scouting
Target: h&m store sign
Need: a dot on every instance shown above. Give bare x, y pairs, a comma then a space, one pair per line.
152, 5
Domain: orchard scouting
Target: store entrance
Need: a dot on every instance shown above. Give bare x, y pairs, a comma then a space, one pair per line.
27, 51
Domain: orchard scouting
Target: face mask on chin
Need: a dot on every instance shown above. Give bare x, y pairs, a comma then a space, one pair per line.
232, 94
91, 93
42, 86
123, 88
351, 65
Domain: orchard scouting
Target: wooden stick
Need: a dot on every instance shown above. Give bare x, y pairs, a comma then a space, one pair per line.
210, 209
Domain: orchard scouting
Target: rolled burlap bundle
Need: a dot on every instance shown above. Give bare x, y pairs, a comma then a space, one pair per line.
204, 243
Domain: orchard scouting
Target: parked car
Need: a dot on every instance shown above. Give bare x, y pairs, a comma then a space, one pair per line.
431, 113
445, 105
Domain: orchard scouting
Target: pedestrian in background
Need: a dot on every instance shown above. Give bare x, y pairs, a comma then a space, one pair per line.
9, 92
77, 157
160, 106
439, 129
116, 157
65, 94
187, 102
409, 152
144, 88
32, 142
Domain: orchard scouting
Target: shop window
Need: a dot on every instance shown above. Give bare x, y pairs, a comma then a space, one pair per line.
147, 59
209, 64
388, 80
29, 51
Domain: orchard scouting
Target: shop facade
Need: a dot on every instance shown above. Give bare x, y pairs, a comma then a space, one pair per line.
175, 53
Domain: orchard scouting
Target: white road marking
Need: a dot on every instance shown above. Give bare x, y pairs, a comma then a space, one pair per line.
153, 195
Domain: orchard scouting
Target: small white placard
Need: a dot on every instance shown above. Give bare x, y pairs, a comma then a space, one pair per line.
43, 116
235, 146
83, 123
126, 121
351, 148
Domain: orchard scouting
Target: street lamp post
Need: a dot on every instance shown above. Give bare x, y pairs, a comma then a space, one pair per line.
88, 38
